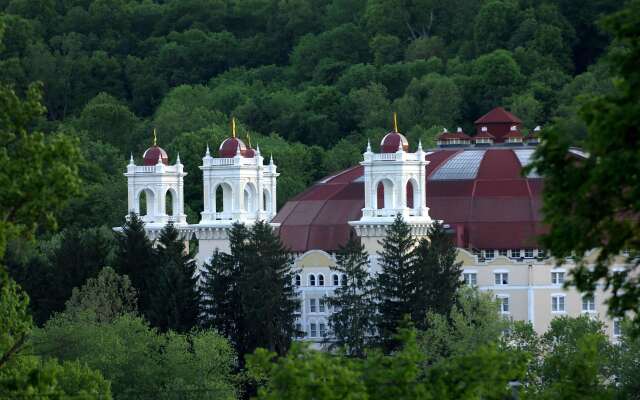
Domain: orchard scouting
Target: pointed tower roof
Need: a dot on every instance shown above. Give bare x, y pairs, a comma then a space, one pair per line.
498, 116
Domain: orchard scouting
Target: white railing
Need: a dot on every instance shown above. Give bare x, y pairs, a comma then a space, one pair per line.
152, 168
385, 156
393, 156
222, 161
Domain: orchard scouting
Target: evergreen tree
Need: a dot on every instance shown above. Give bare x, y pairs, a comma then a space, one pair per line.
220, 290
267, 292
437, 275
353, 321
135, 258
395, 281
175, 295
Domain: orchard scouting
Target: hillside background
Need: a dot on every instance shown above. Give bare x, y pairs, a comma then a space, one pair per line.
308, 80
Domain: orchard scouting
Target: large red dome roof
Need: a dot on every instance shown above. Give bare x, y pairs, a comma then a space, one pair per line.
151, 155
479, 192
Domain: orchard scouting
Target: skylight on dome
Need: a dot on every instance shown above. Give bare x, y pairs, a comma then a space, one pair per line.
464, 165
524, 156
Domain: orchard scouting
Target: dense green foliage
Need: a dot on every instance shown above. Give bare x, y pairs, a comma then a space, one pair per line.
309, 79
416, 278
437, 275
140, 362
175, 299
108, 295
354, 301
249, 293
50, 268
28, 160
395, 283
593, 204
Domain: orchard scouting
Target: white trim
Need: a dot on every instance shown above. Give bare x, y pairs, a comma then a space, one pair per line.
469, 271
498, 271
564, 303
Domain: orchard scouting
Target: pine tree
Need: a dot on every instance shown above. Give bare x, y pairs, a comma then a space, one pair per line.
220, 290
353, 322
175, 296
269, 299
437, 275
395, 282
136, 258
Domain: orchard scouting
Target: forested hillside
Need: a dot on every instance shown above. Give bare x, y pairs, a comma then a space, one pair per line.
309, 80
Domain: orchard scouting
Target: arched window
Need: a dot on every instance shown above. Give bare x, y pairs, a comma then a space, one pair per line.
298, 280
142, 203
249, 198
222, 199
380, 195
266, 200
384, 194
168, 203
219, 201
320, 280
344, 279
336, 282
409, 194
146, 200
312, 280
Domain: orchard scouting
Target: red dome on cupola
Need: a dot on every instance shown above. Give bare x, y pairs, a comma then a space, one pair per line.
391, 142
229, 148
151, 155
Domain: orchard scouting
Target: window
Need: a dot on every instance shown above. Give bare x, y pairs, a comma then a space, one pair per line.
323, 329
298, 280
321, 305
557, 278
336, 282
617, 327
515, 253
312, 305
344, 279
489, 254
541, 253
557, 303
503, 252
503, 301
299, 332
312, 280
528, 253
588, 304
299, 307
501, 278
313, 328
470, 278
320, 280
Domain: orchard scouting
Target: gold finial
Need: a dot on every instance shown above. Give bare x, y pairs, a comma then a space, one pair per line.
155, 137
395, 122
233, 126
249, 140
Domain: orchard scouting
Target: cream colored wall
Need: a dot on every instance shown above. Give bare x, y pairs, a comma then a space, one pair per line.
528, 279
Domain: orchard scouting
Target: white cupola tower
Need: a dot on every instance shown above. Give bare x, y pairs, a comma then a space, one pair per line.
394, 183
237, 187
155, 189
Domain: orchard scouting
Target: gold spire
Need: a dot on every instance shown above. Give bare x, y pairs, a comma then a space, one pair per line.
155, 137
395, 122
233, 126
